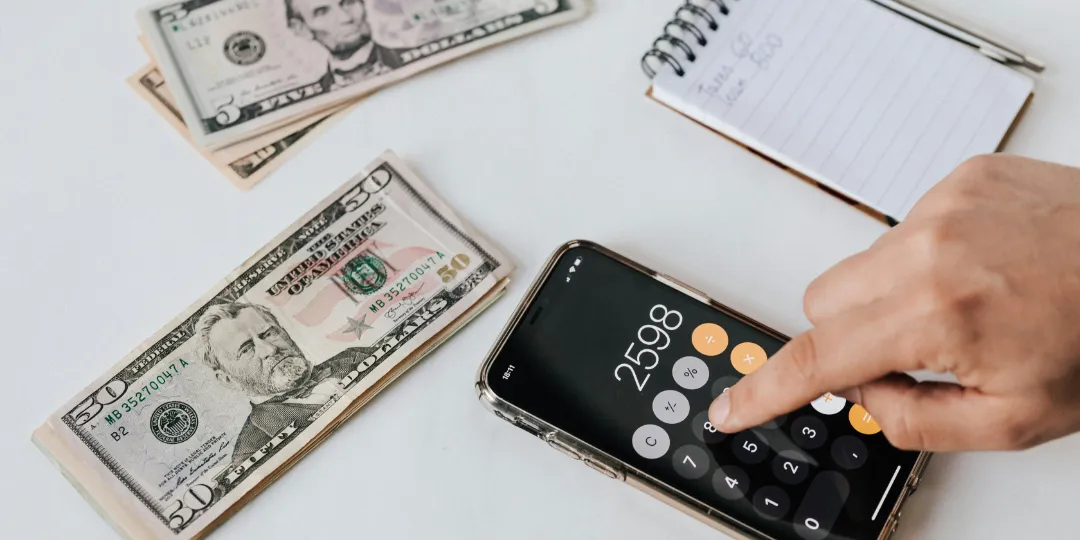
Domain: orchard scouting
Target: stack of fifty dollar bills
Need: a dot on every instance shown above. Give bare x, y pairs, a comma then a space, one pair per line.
236, 389
249, 82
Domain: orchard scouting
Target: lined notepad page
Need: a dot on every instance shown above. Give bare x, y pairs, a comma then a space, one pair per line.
849, 94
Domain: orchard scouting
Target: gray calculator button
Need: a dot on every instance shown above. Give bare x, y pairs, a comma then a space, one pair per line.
690, 372
691, 462
651, 441
671, 407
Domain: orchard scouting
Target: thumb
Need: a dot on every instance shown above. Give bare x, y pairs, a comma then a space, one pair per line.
938, 417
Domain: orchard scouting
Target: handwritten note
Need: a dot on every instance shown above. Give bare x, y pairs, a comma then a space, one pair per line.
850, 94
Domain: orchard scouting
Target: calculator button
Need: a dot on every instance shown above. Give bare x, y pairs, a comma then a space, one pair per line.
651, 441
819, 509
828, 404
691, 462
671, 407
709, 339
862, 421
771, 502
791, 467
722, 384
704, 430
750, 448
746, 358
690, 372
809, 432
775, 422
849, 452
730, 482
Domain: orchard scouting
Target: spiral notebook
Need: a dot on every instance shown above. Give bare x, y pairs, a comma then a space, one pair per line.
870, 103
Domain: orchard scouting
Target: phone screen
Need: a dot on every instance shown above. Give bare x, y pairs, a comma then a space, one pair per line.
630, 365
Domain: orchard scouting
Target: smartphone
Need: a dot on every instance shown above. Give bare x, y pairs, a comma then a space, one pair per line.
615, 365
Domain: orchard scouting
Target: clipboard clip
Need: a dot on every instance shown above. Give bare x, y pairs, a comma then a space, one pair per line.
991, 48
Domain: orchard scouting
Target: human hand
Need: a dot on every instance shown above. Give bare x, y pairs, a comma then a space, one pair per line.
981, 280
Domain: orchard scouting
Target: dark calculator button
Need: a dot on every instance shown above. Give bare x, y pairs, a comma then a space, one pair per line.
722, 384
849, 452
775, 422
730, 482
749, 447
704, 430
809, 432
819, 509
791, 467
690, 461
771, 502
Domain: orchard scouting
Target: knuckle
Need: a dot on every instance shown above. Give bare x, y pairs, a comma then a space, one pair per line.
903, 431
1017, 431
934, 238
814, 299
978, 168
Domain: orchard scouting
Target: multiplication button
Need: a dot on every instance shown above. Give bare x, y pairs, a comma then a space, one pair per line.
691, 462
671, 407
690, 372
651, 441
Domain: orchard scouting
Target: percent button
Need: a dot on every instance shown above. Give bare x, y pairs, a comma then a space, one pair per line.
690, 372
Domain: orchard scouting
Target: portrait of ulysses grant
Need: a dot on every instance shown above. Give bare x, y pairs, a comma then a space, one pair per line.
250, 352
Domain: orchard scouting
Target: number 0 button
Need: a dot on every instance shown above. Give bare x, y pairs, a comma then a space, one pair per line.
730, 482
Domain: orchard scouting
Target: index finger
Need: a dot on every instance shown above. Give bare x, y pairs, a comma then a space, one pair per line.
855, 347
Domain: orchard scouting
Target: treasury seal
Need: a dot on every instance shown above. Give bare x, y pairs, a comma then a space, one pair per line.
364, 274
245, 48
173, 422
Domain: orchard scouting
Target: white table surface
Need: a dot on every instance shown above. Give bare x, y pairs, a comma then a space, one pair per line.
111, 224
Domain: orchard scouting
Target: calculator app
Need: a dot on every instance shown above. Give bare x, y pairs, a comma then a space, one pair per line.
630, 366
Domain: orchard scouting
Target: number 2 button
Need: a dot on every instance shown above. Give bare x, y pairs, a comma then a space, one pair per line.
791, 467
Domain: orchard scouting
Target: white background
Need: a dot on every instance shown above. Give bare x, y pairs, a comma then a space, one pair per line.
110, 224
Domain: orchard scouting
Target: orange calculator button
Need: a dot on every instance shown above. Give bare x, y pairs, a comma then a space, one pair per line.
862, 421
709, 339
746, 358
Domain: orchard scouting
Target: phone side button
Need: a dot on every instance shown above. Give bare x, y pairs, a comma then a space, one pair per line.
564, 448
603, 469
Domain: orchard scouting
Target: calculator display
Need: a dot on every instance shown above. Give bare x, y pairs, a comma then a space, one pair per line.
630, 366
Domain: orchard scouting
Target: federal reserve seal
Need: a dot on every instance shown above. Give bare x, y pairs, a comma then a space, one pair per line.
245, 48
364, 274
174, 422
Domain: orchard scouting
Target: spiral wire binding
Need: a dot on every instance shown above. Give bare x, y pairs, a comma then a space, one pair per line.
689, 19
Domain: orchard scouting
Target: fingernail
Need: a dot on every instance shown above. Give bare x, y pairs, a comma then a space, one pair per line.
719, 410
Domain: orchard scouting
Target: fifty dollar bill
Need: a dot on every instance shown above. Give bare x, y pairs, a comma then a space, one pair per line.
239, 68
231, 393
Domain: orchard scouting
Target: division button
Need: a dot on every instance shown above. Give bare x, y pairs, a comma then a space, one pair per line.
651, 441
730, 482
691, 462
849, 452
690, 372
671, 407
709, 339
772, 503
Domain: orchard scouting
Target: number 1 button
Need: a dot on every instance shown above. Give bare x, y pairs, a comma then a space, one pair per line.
771, 502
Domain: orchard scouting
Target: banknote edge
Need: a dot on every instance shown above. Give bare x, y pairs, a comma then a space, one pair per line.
578, 9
